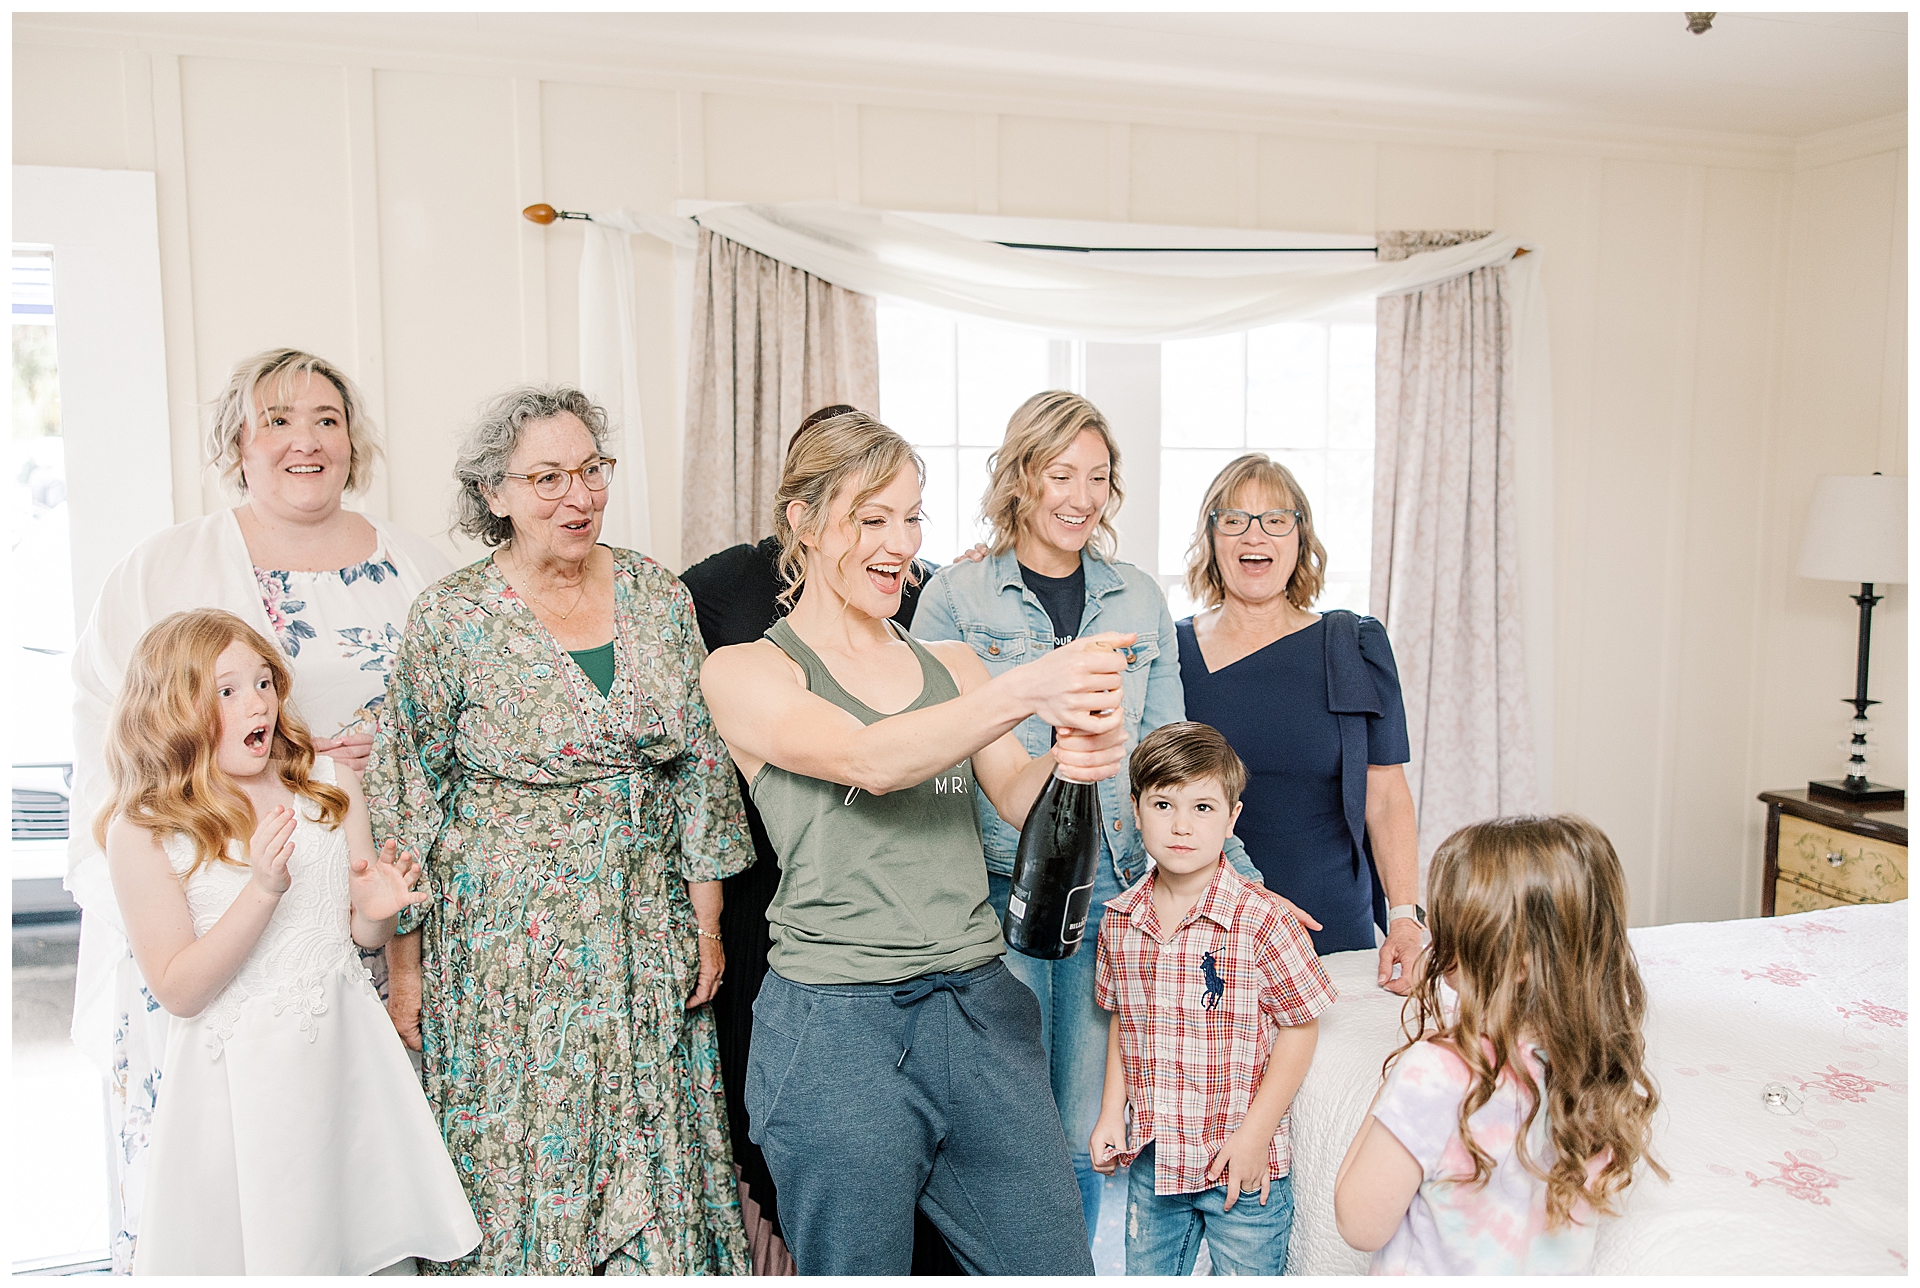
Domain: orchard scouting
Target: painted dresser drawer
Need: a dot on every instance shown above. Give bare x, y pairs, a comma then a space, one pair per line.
1828, 867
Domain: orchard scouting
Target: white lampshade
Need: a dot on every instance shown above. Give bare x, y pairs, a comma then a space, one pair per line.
1856, 529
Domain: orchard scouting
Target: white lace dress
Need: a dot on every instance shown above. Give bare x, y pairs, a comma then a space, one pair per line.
293, 1138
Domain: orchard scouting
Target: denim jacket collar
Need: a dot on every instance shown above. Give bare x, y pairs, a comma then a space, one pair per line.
1101, 579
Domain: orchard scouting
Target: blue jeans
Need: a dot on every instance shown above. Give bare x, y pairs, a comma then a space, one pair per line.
1164, 1230
869, 1100
1072, 1030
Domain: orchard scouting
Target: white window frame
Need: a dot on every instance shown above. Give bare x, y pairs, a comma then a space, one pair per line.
1123, 380
104, 230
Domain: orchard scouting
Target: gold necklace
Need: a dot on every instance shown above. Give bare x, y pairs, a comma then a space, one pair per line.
582, 594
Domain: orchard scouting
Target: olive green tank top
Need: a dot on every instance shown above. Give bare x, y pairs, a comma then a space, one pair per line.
874, 889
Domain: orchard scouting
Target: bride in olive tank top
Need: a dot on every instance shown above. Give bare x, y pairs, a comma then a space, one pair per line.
863, 749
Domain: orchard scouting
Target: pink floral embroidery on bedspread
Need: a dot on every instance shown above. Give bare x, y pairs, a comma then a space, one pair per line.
1779, 973
1802, 1178
1838, 1085
1876, 1013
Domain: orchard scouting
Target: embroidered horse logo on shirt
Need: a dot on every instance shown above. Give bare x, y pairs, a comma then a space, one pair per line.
1210, 974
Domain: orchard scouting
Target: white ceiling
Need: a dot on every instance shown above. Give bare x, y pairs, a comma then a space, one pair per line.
1783, 75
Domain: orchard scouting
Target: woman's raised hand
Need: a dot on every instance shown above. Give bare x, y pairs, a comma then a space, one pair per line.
271, 849
353, 750
384, 886
1077, 686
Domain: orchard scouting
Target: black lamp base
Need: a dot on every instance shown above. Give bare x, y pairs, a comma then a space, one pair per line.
1858, 792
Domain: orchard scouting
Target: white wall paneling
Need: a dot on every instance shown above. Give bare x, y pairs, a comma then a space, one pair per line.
1727, 311
986, 164
530, 181
363, 197
191, 487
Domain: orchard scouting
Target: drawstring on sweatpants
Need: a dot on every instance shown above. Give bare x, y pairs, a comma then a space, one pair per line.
916, 991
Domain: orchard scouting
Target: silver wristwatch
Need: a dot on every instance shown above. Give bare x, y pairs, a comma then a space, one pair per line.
1412, 911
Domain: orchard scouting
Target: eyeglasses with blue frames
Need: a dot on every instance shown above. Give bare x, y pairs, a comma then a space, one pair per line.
551, 485
1275, 523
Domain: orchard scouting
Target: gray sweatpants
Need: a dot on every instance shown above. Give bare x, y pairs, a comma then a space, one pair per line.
964, 1125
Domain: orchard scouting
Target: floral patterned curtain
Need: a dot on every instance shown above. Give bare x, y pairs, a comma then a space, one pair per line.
770, 345
1445, 562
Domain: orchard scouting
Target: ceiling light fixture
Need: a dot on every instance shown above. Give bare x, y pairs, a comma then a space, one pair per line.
1698, 23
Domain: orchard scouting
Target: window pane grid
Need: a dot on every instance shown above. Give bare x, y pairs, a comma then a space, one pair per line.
1302, 392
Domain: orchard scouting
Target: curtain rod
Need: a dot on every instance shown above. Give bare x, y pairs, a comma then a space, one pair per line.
1189, 250
544, 214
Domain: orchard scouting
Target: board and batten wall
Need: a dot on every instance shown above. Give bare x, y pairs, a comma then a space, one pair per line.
1728, 321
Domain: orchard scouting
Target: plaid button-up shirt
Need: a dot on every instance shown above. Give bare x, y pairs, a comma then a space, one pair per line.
1199, 1008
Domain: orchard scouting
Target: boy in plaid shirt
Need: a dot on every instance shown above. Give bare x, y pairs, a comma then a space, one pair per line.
1215, 991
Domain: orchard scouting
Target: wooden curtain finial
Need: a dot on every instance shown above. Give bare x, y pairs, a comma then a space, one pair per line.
544, 214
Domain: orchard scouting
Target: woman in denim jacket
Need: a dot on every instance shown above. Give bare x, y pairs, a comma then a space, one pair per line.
1051, 577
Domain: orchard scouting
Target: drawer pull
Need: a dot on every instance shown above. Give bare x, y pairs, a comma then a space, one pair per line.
1834, 860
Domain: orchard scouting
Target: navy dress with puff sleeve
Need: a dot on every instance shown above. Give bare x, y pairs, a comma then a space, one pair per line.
1308, 713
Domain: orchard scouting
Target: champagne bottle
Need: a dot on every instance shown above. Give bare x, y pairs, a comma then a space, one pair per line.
1053, 870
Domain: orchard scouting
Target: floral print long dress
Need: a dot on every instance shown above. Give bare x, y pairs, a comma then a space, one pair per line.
580, 1101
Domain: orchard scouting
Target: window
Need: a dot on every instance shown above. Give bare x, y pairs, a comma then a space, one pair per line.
1302, 392
949, 386
40, 579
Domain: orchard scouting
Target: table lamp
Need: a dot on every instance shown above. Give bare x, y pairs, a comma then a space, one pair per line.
1857, 531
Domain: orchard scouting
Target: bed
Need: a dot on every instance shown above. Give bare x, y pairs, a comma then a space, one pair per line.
1779, 1046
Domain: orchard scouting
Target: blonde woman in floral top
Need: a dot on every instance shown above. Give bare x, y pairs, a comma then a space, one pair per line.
329, 586
546, 750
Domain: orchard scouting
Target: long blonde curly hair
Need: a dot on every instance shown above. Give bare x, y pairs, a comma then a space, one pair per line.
1531, 913
166, 727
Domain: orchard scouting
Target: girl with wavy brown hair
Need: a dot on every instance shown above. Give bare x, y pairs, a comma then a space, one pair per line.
1518, 1108
246, 875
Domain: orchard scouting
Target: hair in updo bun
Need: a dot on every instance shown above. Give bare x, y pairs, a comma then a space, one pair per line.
851, 448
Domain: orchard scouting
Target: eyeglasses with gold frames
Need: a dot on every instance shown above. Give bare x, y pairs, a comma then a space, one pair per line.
551, 485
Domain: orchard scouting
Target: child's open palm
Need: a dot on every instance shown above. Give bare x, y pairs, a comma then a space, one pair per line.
383, 886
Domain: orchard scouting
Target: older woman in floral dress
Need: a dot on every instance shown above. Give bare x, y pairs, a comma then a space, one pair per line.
546, 750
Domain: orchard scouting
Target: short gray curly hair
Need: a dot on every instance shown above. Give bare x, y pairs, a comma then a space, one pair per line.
487, 448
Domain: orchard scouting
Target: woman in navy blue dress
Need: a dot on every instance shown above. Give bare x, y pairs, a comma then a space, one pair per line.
1312, 703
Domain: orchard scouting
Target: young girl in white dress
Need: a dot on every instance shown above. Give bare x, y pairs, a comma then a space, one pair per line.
286, 1085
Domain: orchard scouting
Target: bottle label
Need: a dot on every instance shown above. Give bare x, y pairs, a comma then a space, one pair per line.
1073, 923
1016, 906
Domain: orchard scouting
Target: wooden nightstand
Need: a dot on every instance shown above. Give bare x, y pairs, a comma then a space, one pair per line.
1822, 854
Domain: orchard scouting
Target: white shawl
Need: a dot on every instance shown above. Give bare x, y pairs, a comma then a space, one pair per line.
202, 563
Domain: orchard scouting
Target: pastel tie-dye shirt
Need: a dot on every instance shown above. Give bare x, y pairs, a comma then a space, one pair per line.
1453, 1228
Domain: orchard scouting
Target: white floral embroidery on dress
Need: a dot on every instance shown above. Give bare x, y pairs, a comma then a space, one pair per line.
309, 936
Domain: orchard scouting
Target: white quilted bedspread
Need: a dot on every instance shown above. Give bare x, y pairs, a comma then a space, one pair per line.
1816, 1003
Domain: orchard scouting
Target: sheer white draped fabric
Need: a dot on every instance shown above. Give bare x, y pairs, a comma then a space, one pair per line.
610, 359
1446, 554
878, 252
